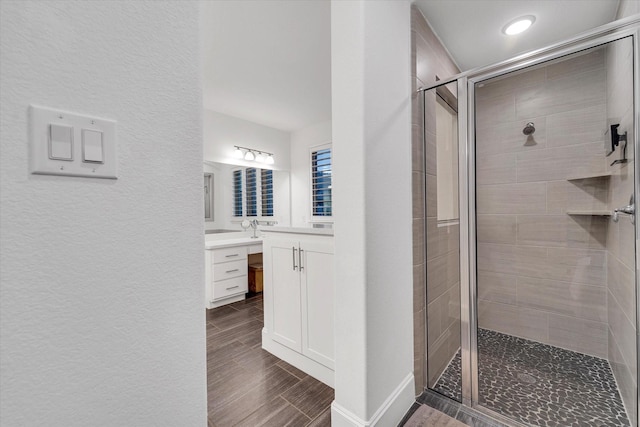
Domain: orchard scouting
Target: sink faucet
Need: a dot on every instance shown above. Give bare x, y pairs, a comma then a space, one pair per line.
254, 225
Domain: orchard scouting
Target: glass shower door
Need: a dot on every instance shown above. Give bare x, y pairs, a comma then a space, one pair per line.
556, 285
442, 230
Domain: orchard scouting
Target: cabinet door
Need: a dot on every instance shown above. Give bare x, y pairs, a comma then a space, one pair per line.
283, 287
317, 301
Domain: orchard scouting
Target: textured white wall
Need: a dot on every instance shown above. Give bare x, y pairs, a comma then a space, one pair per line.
301, 142
628, 8
371, 95
101, 313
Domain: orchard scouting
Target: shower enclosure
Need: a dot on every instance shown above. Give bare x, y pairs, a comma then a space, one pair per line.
531, 239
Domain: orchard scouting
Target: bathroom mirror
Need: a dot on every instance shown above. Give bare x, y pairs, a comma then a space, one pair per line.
208, 196
227, 198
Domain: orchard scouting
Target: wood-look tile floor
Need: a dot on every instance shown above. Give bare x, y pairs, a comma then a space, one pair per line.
248, 386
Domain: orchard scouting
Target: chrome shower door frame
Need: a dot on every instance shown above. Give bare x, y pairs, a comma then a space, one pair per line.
628, 27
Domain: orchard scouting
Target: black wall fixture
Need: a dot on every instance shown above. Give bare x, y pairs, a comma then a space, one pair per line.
616, 139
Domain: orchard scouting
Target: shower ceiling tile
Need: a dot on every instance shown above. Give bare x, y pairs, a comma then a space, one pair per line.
458, 21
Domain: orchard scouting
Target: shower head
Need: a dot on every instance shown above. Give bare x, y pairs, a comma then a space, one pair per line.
529, 129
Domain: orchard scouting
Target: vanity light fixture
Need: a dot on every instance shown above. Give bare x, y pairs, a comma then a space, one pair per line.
518, 25
250, 154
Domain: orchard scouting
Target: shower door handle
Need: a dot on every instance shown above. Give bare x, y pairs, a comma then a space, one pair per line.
630, 210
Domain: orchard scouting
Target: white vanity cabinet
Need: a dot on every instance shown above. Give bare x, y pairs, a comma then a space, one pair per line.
299, 300
226, 271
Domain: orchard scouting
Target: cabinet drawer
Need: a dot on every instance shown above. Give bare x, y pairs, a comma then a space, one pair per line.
255, 249
229, 254
229, 287
227, 270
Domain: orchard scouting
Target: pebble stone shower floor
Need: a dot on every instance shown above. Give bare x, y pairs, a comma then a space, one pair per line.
540, 385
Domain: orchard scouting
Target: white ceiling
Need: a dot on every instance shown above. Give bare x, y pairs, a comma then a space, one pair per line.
472, 29
268, 62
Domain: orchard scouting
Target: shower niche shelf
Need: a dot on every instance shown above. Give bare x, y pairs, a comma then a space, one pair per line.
591, 213
589, 176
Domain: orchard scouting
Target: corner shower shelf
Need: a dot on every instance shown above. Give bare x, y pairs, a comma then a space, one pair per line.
592, 213
589, 176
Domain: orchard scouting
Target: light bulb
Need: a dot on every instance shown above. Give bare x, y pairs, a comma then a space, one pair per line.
269, 160
249, 156
519, 25
238, 153
259, 158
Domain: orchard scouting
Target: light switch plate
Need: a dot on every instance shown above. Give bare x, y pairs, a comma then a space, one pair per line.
41, 118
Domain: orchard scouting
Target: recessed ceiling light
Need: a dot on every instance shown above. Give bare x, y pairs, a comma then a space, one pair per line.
518, 25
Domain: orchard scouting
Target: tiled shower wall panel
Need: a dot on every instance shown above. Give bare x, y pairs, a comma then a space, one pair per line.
542, 272
621, 298
429, 60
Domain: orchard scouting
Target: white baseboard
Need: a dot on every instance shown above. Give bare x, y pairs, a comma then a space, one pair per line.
388, 414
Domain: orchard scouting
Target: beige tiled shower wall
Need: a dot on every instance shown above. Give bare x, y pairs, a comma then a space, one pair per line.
541, 271
429, 60
621, 307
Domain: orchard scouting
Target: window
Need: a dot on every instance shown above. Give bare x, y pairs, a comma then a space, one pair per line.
321, 182
208, 197
253, 192
237, 193
266, 179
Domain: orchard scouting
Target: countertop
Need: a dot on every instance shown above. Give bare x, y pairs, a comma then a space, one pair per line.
227, 243
299, 230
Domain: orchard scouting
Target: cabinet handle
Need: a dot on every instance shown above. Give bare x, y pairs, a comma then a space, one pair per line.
233, 287
293, 253
231, 256
232, 271
300, 259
